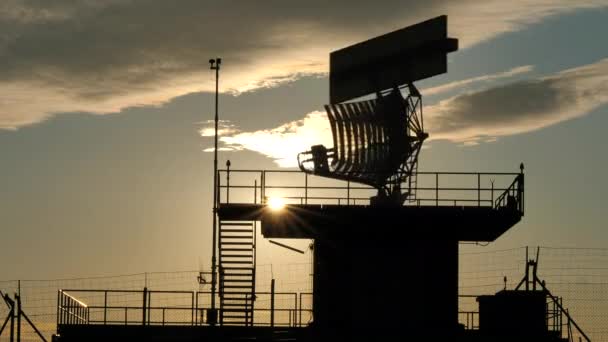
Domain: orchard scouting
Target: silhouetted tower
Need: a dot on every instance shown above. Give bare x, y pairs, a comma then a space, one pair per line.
388, 267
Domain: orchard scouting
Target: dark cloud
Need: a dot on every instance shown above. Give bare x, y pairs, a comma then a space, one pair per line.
103, 55
522, 106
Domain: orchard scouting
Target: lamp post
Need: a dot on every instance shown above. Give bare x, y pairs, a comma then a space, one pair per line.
215, 65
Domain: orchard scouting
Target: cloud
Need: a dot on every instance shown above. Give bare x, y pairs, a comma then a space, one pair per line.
521, 106
283, 143
470, 118
222, 149
101, 56
484, 78
224, 127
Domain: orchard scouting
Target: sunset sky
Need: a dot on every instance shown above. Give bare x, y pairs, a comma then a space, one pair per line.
105, 110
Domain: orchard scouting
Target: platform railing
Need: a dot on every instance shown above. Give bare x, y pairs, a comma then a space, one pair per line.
70, 310
166, 308
482, 189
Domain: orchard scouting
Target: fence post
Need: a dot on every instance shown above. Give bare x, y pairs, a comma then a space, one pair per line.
18, 298
12, 313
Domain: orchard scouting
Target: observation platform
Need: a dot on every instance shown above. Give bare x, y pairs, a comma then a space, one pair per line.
458, 206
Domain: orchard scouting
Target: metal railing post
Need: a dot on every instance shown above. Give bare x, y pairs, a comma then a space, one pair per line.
263, 188
194, 305
305, 188
520, 188
272, 303
227, 181
144, 306
58, 305
347, 192
479, 190
105, 307
436, 189
492, 194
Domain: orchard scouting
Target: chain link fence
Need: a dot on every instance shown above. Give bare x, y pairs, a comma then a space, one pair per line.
578, 275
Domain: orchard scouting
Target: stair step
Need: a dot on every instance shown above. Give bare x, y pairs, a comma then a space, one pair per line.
235, 250
241, 319
234, 262
232, 293
237, 243
234, 306
238, 305
238, 276
236, 236
240, 301
235, 287
239, 281
237, 294
237, 230
238, 268
236, 256
244, 224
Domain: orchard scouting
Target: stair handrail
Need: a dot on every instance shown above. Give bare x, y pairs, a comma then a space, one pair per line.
513, 196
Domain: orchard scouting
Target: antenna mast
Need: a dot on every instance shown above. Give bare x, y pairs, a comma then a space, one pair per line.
215, 65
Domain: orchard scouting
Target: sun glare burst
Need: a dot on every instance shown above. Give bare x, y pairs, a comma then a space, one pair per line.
276, 203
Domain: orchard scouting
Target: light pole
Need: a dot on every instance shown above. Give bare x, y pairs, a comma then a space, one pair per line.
215, 65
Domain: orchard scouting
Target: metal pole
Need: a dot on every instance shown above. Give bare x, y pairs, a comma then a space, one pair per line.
215, 65
143, 311
12, 313
478, 190
105, 307
436, 189
58, 304
347, 192
305, 188
228, 181
272, 303
18, 297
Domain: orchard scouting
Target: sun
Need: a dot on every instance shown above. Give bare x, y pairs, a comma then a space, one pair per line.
276, 203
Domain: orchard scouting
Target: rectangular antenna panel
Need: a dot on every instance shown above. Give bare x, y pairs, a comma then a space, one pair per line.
403, 56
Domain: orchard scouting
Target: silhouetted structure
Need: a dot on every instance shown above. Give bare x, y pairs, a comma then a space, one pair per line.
377, 141
385, 264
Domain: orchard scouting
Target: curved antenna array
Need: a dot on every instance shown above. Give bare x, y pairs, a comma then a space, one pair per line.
376, 142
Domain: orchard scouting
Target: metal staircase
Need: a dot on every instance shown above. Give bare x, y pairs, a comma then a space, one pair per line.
237, 272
